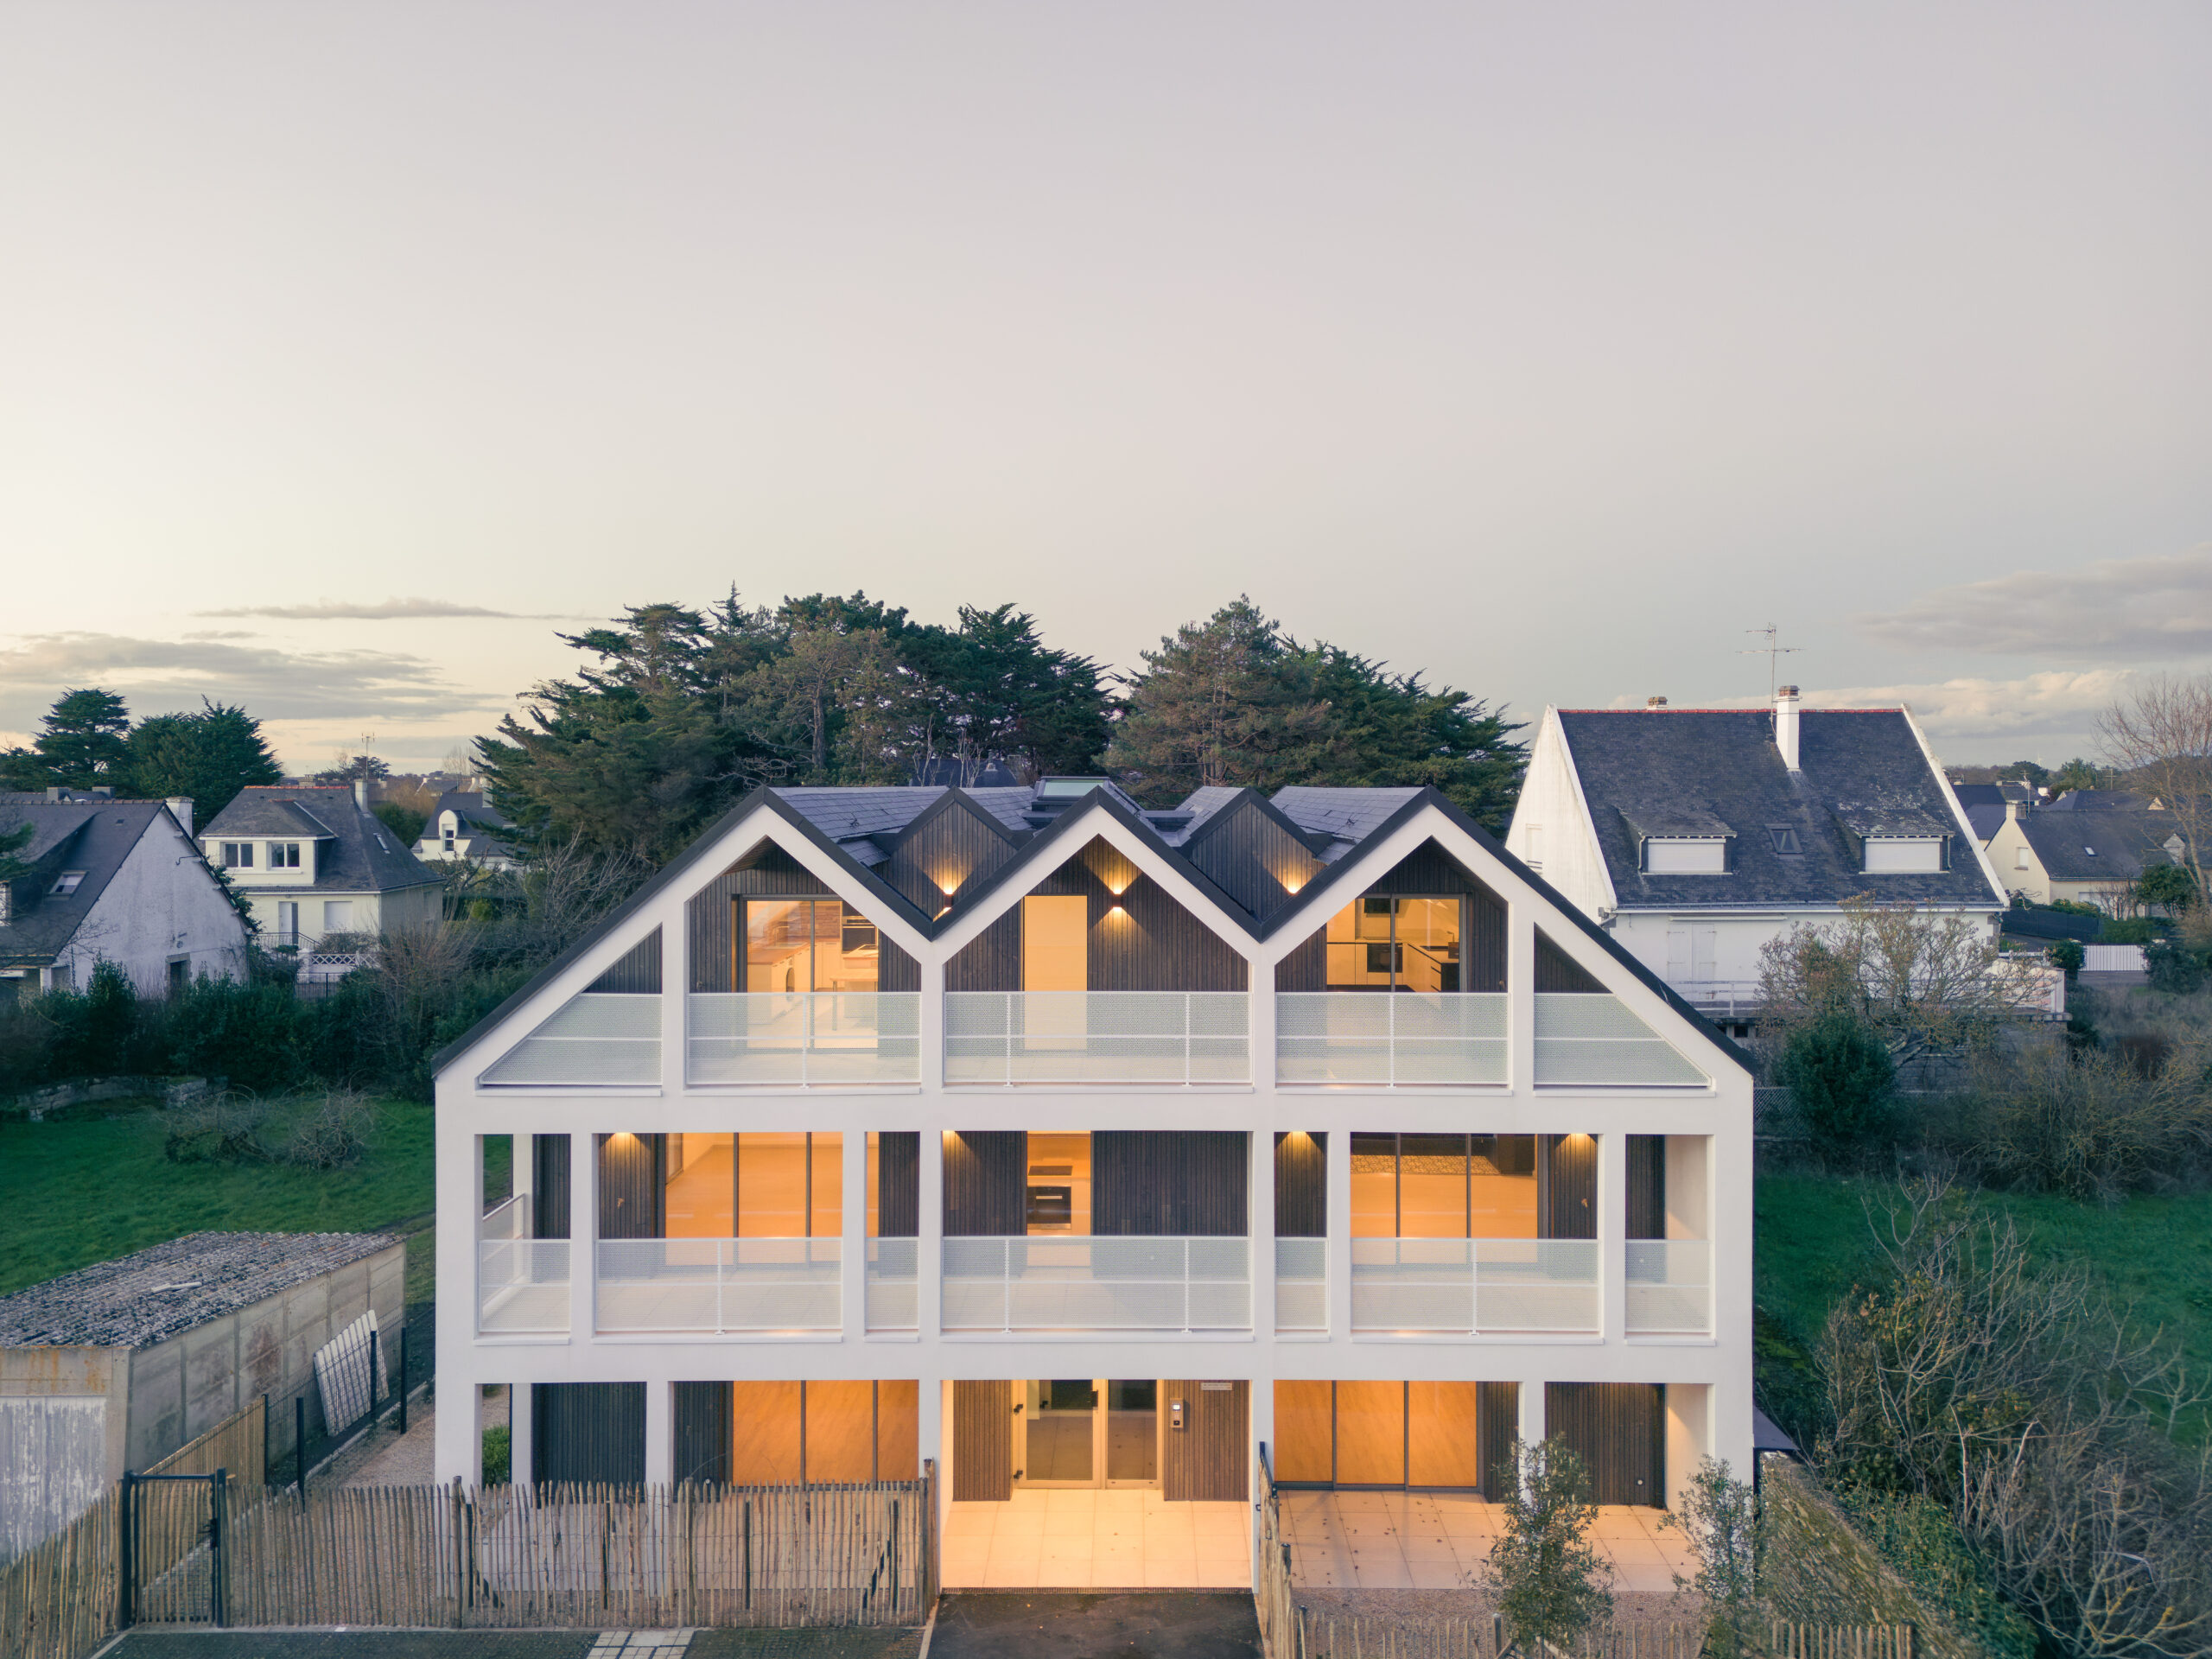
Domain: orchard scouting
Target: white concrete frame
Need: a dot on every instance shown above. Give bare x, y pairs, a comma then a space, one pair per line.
1708, 1379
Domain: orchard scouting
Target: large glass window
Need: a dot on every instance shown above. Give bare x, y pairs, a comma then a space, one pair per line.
808, 944
1384, 942
1055, 940
1057, 1198
1444, 1186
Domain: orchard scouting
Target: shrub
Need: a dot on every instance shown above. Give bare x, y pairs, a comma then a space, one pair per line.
2173, 967
498, 1455
328, 1130
250, 1032
2167, 884
2090, 1123
1720, 1515
2067, 954
2134, 930
1918, 1538
1545, 1581
1840, 1075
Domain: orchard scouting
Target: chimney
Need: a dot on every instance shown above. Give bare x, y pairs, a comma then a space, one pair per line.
180, 809
1654, 702
361, 793
1785, 725
2016, 808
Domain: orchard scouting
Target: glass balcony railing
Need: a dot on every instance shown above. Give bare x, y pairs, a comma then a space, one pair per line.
728, 1287
1061, 1284
1475, 1286
1302, 1286
1390, 1038
804, 1039
892, 1295
1589, 1038
1135, 1037
1669, 1288
595, 1038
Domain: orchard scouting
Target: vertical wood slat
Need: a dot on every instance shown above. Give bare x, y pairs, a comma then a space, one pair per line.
1301, 1184
985, 1184
983, 1427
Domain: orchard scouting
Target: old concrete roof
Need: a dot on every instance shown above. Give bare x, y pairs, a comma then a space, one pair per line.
148, 1297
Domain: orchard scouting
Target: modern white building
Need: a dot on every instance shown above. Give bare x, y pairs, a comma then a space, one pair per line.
1066, 1144
1694, 836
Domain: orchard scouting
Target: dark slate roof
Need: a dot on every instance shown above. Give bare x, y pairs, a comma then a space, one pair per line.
1864, 772
471, 808
149, 1297
358, 854
2089, 845
94, 836
1986, 819
2101, 800
858, 825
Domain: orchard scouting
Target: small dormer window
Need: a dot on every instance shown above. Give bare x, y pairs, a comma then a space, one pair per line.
65, 883
283, 855
238, 855
1685, 856
1785, 840
1904, 854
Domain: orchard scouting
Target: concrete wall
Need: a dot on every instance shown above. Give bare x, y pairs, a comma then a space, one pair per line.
183, 1387
156, 909
61, 1437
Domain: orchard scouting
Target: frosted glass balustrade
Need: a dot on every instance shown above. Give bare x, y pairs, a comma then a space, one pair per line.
1592, 1038
1390, 1038
804, 1038
1164, 1037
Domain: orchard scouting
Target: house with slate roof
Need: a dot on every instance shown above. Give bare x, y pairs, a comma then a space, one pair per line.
2088, 846
1060, 1142
465, 826
112, 880
1694, 836
314, 861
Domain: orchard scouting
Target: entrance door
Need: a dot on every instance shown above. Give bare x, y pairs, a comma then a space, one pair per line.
1087, 1431
1209, 1430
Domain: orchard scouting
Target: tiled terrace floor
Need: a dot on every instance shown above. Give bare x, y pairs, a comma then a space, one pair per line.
1422, 1541
1118, 1538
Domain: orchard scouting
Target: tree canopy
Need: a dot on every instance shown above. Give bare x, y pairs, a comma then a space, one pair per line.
88, 741
1234, 701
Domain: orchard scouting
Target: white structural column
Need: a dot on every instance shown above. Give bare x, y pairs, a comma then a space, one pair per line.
1521, 999
456, 1449
1260, 1225
852, 1246
583, 1236
522, 1445
660, 1433
929, 1236
522, 1169
1612, 1234
1532, 1413
1336, 1181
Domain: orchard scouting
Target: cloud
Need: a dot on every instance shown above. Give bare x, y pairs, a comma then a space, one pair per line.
331, 610
155, 675
2151, 608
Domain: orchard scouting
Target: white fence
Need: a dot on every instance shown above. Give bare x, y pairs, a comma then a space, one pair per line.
1387, 1038
1475, 1286
721, 1286
1097, 1284
1156, 1037
2112, 959
1589, 1037
893, 1296
1669, 1288
805, 1039
1302, 1286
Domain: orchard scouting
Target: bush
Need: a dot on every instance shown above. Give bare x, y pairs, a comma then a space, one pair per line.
2173, 967
2091, 1123
328, 1130
251, 1032
1840, 1075
1918, 1538
498, 1455
2135, 930
2067, 954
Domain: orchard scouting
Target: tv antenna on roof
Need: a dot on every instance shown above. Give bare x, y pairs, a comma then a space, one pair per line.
1772, 649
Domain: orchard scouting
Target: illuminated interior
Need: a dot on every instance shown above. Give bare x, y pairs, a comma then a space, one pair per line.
1058, 1198
785, 1432
1380, 942
808, 944
1055, 955
1377, 1433
1444, 1186
772, 1185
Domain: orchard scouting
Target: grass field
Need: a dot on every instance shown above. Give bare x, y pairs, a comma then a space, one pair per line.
2150, 1254
95, 1185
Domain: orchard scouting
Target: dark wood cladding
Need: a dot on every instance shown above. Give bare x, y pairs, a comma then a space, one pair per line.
985, 1184
1619, 1430
591, 1431
1153, 943
549, 1201
1428, 870
1647, 1187
982, 1442
701, 1417
1302, 1185
898, 1183
637, 973
1497, 1425
950, 846
1253, 854
1566, 1186
632, 1185
1557, 971
1169, 1183
1207, 1460
713, 921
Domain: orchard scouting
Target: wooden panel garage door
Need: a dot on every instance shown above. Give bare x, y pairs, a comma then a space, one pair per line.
982, 1442
1208, 1458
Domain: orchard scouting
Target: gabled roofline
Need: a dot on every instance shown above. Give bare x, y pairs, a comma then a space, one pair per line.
955, 798
1235, 804
1582, 801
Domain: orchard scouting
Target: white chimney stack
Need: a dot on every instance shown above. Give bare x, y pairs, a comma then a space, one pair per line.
180, 809
361, 793
1654, 702
1785, 725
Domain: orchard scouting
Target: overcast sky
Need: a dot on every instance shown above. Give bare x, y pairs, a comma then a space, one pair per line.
1545, 348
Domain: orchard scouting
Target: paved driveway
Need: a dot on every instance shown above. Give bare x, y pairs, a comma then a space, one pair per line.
1126, 1624
519, 1644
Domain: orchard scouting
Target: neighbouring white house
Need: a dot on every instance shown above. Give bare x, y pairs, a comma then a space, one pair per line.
1067, 1145
1695, 835
114, 881
465, 826
313, 861
2088, 846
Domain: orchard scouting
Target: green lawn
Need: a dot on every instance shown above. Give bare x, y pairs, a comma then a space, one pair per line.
93, 1187
2150, 1254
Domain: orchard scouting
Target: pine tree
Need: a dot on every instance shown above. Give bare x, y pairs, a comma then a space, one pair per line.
207, 756
82, 745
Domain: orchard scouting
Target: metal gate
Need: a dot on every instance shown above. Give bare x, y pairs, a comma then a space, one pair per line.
173, 1567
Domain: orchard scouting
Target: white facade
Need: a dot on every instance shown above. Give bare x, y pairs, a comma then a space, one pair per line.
160, 917
1706, 1117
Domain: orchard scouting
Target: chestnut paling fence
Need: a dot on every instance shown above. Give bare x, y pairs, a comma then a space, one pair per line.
198, 1551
